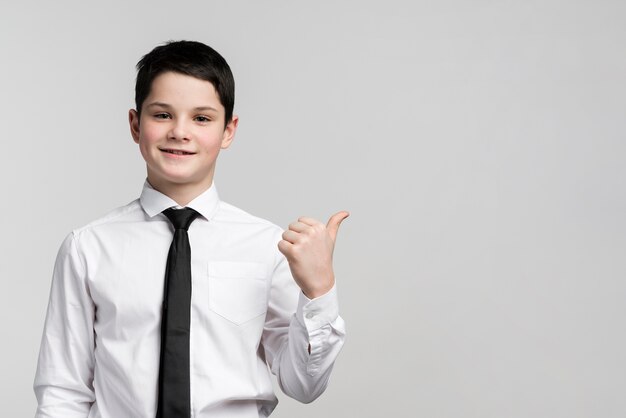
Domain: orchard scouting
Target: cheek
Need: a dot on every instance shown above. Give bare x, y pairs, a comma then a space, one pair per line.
212, 143
147, 142
143, 149
148, 139
150, 133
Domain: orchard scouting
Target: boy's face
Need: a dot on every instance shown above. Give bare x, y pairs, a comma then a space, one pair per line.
180, 132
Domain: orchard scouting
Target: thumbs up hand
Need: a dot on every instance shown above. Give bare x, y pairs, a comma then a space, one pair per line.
308, 245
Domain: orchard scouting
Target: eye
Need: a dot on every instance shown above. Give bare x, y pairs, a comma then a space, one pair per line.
162, 116
202, 119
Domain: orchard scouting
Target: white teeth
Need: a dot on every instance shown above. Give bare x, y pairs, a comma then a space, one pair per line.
177, 152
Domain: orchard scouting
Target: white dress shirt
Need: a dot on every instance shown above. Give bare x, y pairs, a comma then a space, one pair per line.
99, 353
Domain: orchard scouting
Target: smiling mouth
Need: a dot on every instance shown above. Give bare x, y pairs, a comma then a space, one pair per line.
177, 151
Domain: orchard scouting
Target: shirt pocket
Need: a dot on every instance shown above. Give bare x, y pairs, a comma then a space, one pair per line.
237, 289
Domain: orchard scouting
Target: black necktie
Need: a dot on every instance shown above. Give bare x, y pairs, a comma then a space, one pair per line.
174, 391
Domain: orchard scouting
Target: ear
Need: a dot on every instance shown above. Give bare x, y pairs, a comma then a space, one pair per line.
229, 132
133, 121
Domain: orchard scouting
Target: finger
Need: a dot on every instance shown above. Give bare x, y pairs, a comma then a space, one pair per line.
298, 226
284, 246
291, 236
333, 223
309, 221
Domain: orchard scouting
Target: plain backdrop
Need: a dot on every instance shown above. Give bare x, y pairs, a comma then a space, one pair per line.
479, 145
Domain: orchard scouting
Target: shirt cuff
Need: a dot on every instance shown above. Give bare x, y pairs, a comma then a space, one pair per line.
316, 313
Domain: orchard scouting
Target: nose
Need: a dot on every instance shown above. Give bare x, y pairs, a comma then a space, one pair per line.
179, 131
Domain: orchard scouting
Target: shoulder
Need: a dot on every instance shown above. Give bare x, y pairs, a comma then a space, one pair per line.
120, 215
230, 214
97, 231
248, 231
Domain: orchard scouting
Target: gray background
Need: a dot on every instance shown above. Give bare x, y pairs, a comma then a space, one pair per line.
479, 146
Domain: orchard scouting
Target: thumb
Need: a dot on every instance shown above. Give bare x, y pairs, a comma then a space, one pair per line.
333, 223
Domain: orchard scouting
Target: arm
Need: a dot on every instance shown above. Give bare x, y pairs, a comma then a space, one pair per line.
301, 349
63, 381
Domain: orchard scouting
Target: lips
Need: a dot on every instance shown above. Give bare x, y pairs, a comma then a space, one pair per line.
176, 151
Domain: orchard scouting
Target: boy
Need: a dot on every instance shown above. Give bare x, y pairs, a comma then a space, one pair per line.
176, 304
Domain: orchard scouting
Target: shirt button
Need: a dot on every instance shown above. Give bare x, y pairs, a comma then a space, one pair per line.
310, 315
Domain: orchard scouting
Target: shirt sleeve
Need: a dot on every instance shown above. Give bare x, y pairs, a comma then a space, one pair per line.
293, 324
64, 377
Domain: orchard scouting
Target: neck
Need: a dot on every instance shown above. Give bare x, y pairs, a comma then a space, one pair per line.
181, 194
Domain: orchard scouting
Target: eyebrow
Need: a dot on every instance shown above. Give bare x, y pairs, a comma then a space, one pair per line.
166, 106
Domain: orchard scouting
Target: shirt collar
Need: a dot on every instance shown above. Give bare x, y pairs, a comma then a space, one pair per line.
154, 202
